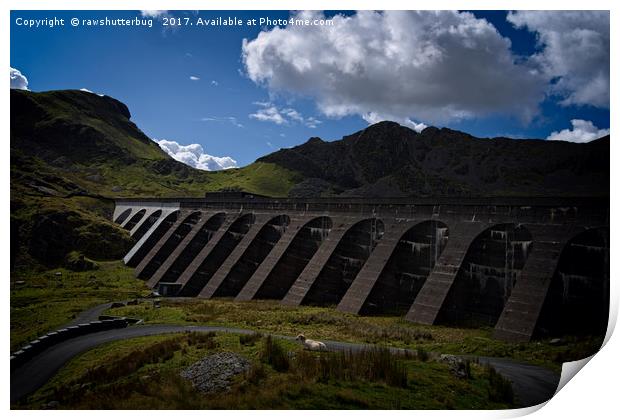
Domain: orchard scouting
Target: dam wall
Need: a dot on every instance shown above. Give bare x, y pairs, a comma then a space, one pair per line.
522, 266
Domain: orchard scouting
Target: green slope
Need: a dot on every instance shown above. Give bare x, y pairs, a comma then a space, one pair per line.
73, 152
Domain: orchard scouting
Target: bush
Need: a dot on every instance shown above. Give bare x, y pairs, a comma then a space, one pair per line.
273, 354
374, 364
155, 353
249, 339
468, 374
256, 374
423, 355
500, 388
76, 261
201, 340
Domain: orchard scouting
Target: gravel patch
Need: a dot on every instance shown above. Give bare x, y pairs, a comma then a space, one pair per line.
214, 373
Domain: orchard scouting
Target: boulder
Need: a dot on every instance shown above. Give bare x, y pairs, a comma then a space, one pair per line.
457, 365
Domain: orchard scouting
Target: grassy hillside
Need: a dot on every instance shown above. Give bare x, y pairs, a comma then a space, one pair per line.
270, 317
260, 177
89, 141
72, 152
144, 373
44, 301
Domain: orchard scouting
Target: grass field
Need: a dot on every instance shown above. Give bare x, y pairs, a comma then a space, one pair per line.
133, 373
103, 378
43, 301
73, 153
329, 324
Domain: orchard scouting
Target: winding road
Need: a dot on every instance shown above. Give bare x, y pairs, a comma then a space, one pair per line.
532, 384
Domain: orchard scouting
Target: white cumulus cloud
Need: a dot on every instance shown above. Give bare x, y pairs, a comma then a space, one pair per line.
405, 65
582, 132
90, 91
373, 118
194, 155
153, 13
18, 80
271, 113
575, 52
312, 122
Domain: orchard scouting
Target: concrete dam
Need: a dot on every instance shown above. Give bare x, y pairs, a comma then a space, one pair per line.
526, 267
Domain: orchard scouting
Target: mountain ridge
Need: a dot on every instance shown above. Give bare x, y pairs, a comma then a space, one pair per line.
387, 159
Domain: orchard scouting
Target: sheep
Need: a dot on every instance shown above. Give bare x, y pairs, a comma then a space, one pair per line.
311, 344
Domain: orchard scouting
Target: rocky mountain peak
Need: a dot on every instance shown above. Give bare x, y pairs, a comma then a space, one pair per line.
315, 140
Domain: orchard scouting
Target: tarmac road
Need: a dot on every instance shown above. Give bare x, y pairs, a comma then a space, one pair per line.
532, 384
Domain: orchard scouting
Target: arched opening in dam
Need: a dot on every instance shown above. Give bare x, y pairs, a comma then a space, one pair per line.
345, 262
198, 242
133, 221
170, 245
407, 269
218, 255
146, 225
298, 254
153, 238
577, 302
485, 280
123, 216
253, 256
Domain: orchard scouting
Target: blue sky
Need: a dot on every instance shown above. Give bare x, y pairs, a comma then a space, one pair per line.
490, 75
